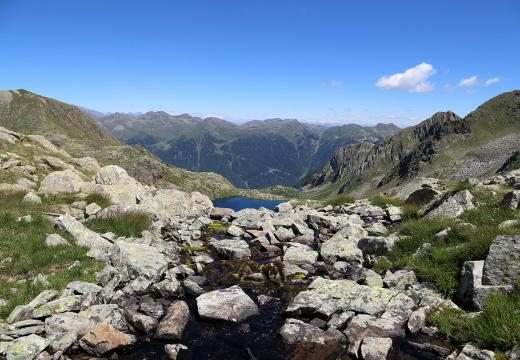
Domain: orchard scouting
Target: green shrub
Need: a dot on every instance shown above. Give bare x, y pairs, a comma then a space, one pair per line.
129, 224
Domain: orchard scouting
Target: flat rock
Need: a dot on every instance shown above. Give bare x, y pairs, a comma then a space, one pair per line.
375, 348
328, 297
231, 249
139, 260
105, 338
231, 304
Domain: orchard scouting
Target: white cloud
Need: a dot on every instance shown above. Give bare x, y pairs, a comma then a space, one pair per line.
471, 81
414, 79
491, 81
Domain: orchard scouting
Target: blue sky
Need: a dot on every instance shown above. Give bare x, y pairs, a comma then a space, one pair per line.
327, 61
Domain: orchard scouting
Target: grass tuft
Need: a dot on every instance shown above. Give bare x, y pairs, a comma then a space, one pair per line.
129, 224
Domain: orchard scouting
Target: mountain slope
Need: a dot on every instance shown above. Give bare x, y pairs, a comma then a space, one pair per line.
444, 146
255, 154
68, 127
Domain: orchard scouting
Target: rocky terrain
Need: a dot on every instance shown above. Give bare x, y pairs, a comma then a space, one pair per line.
306, 281
444, 146
256, 154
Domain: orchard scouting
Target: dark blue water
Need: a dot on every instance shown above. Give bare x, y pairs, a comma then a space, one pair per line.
241, 202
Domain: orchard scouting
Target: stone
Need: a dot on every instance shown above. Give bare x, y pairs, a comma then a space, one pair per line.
502, 266
377, 245
509, 224
112, 175
152, 308
55, 163
105, 338
364, 326
470, 280
512, 200
26, 183
235, 231
327, 297
148, 171
87, 163
55, 240
139, 260
376, 348
283, 207
174, 322
471, 352
83, 321
192, 287
339, 321
85, 237
168, 288
231, 304
218, 213
60, 305
231, 249
301, 255
417, 320
25, 348
339, 248
19, 313
43, 298
61, 182
448, 205
284, 234
141, 321
61, 342
92, 209
400, 280
83, 287
173, 350
40, 280
31, 198
170, 204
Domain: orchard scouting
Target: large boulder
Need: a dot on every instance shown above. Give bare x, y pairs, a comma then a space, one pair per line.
231, 304
139, 260
300, 255
502, 266
62, 182
99, 247
448, 205
340, 248
171, 204
326, 297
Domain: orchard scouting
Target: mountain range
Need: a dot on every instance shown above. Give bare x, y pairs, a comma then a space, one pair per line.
255, 154
68, 127
445, 146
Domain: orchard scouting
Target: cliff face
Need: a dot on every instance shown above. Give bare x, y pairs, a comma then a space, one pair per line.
443, 146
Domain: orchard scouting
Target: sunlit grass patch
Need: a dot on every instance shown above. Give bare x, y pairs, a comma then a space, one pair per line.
129, 224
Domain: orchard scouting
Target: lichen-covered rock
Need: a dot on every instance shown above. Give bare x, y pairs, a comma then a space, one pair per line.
327, 297
231, 304
25, 348
61, 182
300, 255
170, 204
339, 248
512, 200
60, 305
139, 260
